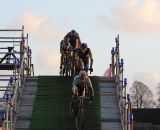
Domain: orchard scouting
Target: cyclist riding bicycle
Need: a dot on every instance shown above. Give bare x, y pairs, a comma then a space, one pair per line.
73, 38
81, 85
84, 54
64, 48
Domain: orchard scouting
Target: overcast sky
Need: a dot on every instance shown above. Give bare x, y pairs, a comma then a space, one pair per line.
98, 22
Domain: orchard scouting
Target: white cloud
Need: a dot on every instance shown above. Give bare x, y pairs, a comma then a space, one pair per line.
39, 27
133, 16
43, 39
48, 62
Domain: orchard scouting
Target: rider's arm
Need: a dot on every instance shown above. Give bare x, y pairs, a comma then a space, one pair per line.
66, 37
91, 58
79, 40
77, 44
74, 88
90, 85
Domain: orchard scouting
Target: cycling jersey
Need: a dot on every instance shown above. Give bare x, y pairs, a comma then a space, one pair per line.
85, 55
79, 85
73, 39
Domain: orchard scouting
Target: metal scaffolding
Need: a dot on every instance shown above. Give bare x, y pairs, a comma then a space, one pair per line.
15, 65
121, 84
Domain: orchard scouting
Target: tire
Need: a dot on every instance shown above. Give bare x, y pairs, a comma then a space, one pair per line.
63, 72
72, 71
66, 71
71, 113
80, 119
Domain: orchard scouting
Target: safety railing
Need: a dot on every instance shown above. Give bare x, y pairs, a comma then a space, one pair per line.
18, 60
121, 84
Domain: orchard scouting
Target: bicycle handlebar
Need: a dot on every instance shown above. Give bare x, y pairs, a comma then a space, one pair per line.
72, 49
83, 97
88, 69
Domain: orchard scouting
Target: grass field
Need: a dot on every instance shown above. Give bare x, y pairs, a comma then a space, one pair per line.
51, 108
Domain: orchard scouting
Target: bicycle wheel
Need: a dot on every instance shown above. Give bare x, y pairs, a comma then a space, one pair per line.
66, 71
71, 113
72, 71
63, 71
80, 119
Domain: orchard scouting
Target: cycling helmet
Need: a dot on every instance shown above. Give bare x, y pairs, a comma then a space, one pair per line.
73, 31
84, 45
82, 73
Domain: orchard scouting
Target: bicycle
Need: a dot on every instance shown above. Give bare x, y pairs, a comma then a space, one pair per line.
66, 64
77, 111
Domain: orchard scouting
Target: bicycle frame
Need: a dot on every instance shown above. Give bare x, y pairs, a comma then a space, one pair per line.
81, 100
79, 112
66, 63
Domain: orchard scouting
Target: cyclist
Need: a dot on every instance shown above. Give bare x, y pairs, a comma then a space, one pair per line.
84, 54
81, 85
73, 38
64, 48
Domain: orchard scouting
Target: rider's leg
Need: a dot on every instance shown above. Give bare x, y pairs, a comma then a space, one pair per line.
75, 62
79, 65
74, 97
86, 66
61, 60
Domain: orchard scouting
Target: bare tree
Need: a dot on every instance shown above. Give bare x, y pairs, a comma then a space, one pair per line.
158, 93
142, 96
